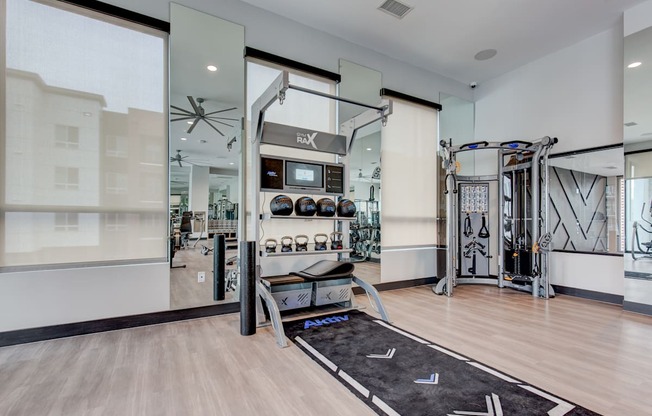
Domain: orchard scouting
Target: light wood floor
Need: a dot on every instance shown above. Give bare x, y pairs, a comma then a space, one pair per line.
185, 290
587, 352
368, 271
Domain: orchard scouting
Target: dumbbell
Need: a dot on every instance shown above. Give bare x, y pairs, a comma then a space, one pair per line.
321, 242
301, 242
286, 244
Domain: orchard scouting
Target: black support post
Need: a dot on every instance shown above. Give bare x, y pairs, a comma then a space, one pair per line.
247, 287
219, 272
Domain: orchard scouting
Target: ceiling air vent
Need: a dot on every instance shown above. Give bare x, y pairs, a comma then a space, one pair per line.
631, 124
395, 8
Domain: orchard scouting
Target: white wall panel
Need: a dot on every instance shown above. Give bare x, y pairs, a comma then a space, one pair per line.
409, 166
42, 298
587, 271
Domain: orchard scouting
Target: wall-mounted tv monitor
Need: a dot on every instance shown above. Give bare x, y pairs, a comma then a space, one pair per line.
304, 175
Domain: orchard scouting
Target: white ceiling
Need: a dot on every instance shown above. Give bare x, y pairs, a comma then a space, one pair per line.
610, 162
443, 36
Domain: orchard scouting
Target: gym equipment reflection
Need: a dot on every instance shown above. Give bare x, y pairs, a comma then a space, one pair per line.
206, 109
636, 240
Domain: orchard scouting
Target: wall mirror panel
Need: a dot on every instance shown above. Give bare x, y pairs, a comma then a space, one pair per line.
637, 197
207, 106
585, 208
363, 85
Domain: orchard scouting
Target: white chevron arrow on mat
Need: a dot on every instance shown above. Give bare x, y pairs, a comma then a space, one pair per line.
493, 408
434, 379
390, 354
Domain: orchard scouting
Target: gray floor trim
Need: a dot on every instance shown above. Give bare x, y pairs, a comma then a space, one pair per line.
642, 308
589, 294
398, 285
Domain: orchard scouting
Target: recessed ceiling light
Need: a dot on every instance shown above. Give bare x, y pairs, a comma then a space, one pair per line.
231, 163
485, 54
184, 138
368, 148
87, 114
634, 64
212, 68
189, 122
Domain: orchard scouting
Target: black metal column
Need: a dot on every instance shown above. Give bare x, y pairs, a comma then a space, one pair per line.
219, 272
247, 287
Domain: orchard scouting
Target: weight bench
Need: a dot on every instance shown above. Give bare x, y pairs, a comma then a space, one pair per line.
326, 282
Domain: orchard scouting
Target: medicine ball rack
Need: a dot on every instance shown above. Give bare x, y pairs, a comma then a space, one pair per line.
291, 291
524, 233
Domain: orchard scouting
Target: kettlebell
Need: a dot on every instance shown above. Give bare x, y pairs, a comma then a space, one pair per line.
321, 241
270, 245
336, 240
286, 244
301, 242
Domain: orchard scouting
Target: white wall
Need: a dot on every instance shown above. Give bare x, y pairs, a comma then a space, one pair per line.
42, 298
575, 94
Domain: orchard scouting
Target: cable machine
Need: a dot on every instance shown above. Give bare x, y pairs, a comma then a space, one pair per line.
524, 236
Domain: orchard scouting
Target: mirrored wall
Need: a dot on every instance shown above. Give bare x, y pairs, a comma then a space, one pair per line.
363, 85
637, 196
207, 106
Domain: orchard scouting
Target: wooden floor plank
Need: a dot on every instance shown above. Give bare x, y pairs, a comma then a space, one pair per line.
591, 353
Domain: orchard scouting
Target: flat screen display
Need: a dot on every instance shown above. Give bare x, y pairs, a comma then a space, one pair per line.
271, 173
305, 175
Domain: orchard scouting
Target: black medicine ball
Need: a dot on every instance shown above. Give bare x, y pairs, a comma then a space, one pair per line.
281, 205
325, 207
305, 207
346, 208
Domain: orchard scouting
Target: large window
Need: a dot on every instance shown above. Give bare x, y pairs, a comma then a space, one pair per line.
84, 152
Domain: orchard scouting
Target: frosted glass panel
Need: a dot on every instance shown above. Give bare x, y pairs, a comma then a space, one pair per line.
409, 186
85, 145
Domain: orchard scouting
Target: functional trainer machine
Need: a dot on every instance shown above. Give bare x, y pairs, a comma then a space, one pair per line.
271, 173
524, 236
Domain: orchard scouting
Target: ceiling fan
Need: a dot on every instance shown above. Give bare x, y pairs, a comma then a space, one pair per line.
198, 114
178, 158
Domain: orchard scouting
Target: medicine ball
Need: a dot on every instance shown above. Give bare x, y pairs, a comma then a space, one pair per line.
281, 205
325, 207
346, 208
305, 207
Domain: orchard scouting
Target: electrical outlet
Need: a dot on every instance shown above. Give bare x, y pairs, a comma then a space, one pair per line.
201, 277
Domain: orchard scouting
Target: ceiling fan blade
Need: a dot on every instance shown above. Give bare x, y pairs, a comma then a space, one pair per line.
220, 111
194, 105
183, 118
221, 118
214, 128
218, 121
194, 124
180, 165
183, 157
182, 110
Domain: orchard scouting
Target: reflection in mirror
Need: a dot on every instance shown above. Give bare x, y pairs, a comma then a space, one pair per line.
206, 111
585, 201
363, 85
637, 197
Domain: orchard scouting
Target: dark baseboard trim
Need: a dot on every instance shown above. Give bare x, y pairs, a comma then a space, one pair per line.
589, 294
23, 336
402, 284
637, 307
